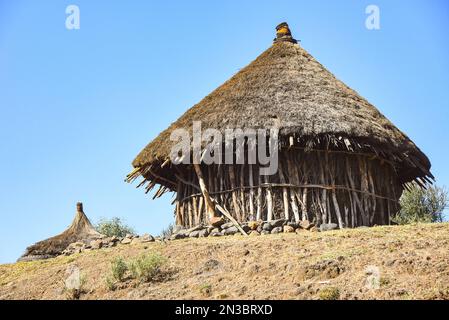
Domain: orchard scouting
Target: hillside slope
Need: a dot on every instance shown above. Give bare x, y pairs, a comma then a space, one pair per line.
390, 262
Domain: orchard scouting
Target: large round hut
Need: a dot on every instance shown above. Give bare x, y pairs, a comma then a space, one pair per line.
339, 160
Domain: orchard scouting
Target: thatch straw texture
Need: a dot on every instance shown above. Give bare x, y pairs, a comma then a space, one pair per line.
80, 230
287, 85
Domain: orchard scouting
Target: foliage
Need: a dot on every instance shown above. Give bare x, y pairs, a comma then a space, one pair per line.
422, 205
146, 267
330, 293
113, 227
110, 283
118, 269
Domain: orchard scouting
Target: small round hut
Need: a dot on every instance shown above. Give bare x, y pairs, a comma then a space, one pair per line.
339, 159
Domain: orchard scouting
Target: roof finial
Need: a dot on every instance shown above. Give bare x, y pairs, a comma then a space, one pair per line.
79, 207
283, 33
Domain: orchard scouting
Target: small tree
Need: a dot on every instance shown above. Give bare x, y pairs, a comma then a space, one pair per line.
422, 205
113, 227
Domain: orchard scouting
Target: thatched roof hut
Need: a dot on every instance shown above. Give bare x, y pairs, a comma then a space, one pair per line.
340, 159
81, 230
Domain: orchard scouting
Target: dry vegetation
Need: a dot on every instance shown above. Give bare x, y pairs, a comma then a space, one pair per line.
413, 262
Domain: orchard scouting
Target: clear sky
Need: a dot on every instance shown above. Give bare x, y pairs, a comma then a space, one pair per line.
76, 106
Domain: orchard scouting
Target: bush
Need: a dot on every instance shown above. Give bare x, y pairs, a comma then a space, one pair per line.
113, 227
118, 269
110, 283
422, 205
146, 267
330, 293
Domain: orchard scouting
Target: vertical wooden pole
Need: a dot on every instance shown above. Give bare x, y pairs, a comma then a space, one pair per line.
269, 200
234, 193
251, 191
242, 191
210, 207
259, 198
284, 190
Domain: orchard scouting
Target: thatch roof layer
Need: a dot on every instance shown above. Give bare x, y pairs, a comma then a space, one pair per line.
287, 85
80, 230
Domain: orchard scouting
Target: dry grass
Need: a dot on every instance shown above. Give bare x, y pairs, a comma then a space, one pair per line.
412, 260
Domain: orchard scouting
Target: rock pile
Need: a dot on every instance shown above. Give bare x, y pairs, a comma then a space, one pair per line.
106, 242
252, 228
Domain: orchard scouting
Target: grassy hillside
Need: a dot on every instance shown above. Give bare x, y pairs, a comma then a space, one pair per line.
391, 262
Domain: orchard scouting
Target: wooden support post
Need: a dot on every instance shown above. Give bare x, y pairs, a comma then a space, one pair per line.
242, 191
229, 216
284, 190
269, 200
234, 193
210, 207
251, 191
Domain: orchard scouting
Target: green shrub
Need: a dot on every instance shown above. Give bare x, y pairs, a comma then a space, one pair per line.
110, 283
422, 205
330, 293
146, 267
113, 227
117, 274
118, 269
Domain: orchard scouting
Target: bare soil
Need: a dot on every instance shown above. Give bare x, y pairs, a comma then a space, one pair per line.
412, 263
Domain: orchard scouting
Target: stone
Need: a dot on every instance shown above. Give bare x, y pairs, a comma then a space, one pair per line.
215, 230
126, 241
227, 225
299, 230
177, 236
129, 236
186, 232
231, 230
305, 224
215, 234
96, 244
77, 244
276, 230
253, 224
289, 229
147, 238
259, 228
292, 224
267, 226
277, 223
216, 221
114, 239
328, 226
313, 229
203, 233
246, 228
254, 233
264, 232
194, 234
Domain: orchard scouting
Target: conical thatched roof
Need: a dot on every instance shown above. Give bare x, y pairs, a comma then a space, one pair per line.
286, 83
80, 230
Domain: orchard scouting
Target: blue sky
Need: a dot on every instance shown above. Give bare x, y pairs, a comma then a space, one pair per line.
76, 106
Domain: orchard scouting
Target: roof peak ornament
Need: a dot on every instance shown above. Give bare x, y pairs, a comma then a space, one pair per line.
283, 34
